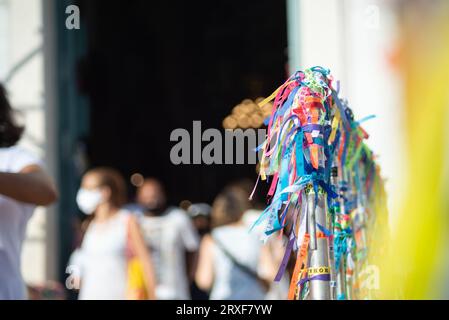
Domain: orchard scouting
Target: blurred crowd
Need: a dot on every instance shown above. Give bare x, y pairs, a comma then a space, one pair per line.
150, 250
141, 250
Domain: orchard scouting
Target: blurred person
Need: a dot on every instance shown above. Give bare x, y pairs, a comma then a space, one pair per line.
275, 244
111, 235
24, 184
200, 215
172, 240
233, 263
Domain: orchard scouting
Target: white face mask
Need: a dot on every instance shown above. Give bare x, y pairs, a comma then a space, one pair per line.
88, 200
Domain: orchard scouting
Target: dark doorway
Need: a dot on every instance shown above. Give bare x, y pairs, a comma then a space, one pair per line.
153, 66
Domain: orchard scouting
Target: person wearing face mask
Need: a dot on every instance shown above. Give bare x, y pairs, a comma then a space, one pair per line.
110, 235
24, 184
172, 239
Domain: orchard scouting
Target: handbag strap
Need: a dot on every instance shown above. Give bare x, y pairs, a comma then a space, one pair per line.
234, 261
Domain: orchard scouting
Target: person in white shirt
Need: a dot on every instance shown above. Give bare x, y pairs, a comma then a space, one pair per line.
104, 255
24, 184
233, 264
172, 240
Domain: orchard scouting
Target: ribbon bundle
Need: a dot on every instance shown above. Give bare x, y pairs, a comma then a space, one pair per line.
315, 158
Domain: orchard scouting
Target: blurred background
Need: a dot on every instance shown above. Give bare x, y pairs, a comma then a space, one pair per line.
111, 92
